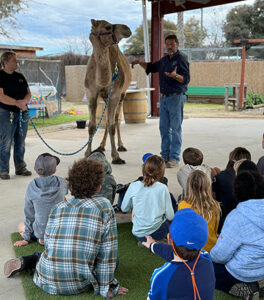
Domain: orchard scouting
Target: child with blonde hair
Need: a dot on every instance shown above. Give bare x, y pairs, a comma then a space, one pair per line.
199, 198
151, 202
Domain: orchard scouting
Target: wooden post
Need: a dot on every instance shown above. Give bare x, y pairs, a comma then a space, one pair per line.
245, 46
242, 79
156, 53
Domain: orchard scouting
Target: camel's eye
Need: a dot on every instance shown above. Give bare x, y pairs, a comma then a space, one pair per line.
108, 27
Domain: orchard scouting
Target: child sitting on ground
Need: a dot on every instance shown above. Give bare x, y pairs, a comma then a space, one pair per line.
199, 197
121, 189
193, 160
80, 240
108, 189
41, 195
150, 201
189, 272
238, 254
222, 185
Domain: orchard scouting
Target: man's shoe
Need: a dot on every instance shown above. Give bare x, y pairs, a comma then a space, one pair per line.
14, 266
24, 172
172, 164
4, 176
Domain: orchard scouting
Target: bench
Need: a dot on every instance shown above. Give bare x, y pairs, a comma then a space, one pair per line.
208, 92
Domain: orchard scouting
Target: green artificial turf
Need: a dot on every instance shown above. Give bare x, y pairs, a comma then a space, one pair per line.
134, 270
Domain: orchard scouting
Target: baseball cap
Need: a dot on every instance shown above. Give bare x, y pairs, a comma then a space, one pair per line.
189, 229
146, 156
46, 164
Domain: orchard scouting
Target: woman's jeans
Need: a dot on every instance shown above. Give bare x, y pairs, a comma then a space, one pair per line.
171, 116
12, 130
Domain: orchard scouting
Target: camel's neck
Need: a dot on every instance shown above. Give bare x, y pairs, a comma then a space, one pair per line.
103, 72
105, 62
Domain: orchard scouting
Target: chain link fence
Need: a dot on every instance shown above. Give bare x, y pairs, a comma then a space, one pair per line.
234, 53
43, 77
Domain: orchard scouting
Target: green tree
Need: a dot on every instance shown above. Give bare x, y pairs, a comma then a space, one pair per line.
8, 10
135, 44
245, 22
194, 36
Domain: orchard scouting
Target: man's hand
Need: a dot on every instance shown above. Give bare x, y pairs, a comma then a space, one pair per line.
121, 291
172, 74
149, 241
142, 63
20, 243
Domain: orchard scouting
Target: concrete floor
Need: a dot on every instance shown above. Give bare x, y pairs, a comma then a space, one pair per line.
214, 137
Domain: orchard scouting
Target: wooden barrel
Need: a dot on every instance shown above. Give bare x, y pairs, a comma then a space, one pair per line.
135, 107
99, 111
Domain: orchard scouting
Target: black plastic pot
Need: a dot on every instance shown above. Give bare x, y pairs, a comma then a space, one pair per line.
81, 124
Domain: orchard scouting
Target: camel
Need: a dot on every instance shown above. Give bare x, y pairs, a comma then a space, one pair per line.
100, 67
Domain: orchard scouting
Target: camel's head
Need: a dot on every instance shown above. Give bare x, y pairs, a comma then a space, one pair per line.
108, 33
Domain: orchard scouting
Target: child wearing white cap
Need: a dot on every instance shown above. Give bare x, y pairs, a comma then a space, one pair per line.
42, 194
188, 272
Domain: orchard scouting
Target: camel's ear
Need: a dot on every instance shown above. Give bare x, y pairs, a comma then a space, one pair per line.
93, 21
122, 31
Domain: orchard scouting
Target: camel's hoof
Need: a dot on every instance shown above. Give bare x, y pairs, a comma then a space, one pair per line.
121, 149
118, 161
102, 149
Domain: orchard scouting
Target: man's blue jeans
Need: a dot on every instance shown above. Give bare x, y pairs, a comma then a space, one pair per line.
171, 116
11, 132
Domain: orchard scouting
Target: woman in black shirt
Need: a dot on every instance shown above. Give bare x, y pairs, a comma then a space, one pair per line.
14, 95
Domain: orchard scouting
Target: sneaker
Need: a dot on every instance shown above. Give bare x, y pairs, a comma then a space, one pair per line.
4, 176
172, 164
13, 266
248, 291
24, 172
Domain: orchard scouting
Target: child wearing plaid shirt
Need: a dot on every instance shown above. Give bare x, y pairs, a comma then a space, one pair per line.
80, 240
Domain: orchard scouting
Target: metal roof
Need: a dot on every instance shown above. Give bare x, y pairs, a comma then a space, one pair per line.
14, 47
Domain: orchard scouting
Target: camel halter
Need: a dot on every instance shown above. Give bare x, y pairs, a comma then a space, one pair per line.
195, 289
107, 33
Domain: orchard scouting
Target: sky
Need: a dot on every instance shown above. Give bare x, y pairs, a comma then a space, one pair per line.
61, 25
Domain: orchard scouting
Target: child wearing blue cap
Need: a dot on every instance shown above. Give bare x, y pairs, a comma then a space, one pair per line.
188, 272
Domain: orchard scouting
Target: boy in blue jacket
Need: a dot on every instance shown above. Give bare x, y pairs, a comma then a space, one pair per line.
188, 273
42, 194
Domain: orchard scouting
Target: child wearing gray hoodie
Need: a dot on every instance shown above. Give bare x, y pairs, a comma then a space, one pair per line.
42, 194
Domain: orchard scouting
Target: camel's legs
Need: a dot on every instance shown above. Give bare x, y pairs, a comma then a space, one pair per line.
111, 128
92, 100
102, 145
120, 144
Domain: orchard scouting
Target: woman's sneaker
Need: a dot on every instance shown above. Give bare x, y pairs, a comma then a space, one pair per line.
14, 266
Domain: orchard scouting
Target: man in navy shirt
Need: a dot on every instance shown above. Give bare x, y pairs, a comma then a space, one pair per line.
174, 77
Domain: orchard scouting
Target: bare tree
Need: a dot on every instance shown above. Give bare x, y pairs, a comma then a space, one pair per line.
8, 10
215, 31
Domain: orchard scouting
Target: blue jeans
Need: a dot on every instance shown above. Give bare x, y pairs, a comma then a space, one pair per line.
159, 234
171, 116
11, 132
